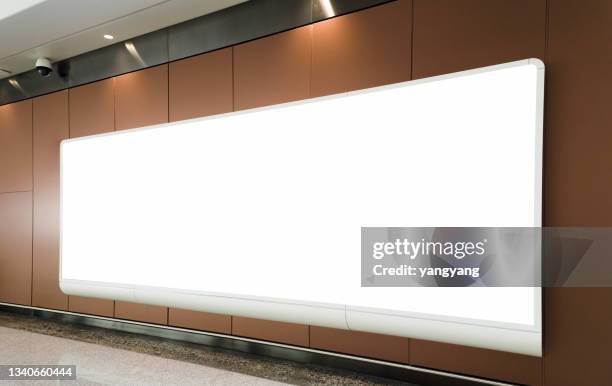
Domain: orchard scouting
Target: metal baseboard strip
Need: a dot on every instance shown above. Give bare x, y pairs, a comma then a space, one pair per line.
391, 370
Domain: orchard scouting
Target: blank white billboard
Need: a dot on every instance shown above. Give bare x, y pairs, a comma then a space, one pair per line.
258, 213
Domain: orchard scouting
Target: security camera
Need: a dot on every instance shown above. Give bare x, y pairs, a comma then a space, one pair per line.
43, 66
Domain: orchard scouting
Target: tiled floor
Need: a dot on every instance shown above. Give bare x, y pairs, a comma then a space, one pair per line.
104, 365
112, 357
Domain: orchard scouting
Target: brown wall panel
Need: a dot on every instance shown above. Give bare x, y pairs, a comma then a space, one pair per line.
475, 361
50, 125
92, 111
273, 70
16, 247
92, 306
201, 85
362, 49
141, 99
577, 337
290, 333
578, 183
578, 163
204, 321
16, 147
141, 312
92, 108
385, 347
452, 35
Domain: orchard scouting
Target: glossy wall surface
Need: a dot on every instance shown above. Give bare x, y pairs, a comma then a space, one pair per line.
16, 203
397, 41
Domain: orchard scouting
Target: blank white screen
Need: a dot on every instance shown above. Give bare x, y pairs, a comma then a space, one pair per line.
270, 202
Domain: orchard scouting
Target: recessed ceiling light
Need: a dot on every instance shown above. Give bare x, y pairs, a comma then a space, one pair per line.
109, 37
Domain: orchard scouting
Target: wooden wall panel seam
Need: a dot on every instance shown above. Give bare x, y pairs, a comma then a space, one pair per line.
544, 187
114, 107
543, 214
233, 109
69, 136
114, 81
168, 105
310, 77
411, 39
233, 81
15, 191
32, 230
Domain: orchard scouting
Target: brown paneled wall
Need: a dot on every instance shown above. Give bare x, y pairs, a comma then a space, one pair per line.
273, 70
363, 49
578, 182
201, 85
389, 43
16, 203
16, 147
451, 35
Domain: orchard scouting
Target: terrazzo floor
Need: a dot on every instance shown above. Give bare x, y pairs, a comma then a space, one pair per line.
108, 357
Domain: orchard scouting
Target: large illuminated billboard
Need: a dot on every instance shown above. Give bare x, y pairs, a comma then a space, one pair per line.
258, 213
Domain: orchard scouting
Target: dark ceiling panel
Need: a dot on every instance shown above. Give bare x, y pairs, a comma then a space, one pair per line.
241, 23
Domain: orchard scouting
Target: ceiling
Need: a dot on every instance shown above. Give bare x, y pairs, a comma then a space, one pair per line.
59, 29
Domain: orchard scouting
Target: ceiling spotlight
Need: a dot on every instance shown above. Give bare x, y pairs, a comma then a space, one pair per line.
328, 8
16, 85
108, 37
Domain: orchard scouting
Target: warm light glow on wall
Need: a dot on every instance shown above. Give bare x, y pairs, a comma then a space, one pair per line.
258, 213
